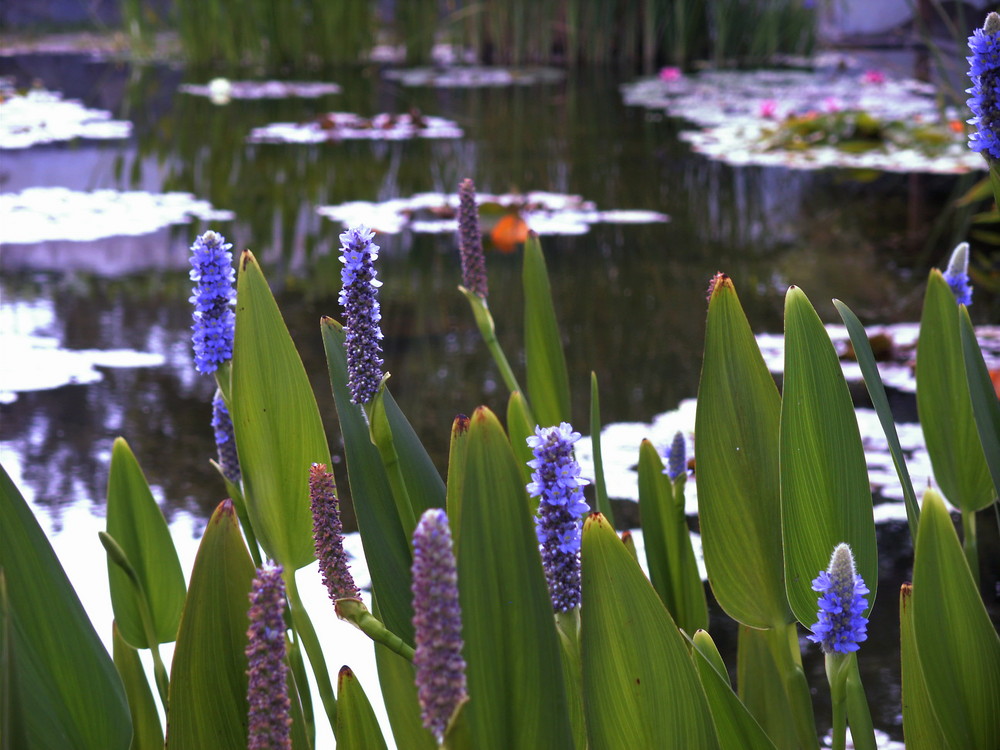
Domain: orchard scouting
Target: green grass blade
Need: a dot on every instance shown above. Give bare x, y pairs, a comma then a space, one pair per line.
876, 390
825, 495
279, 433
944, 404
985, 405
357, 727
64, 690
136, 523
600, 486
145, 719
208, 682
736, 425
511, 646
958, 647
548, 381
640, 687
387, 549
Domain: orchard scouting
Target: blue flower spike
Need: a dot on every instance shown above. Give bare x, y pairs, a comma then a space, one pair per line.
225, 440
984, 72
328, 536
362, 316
841, 625
957, 274
437, 622
213, 297
557, 484
676, 457
269, 721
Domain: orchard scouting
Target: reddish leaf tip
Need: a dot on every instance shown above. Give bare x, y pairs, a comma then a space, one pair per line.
719, 281
461, 424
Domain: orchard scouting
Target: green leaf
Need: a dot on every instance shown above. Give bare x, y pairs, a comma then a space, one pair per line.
640, 686
944, 404
958, 647
279, 433
208, 682
387, 548
669, 555
736, 425
825, 495
514, 669
520, 425
456, 474
145, 719
985, 405
357, 727
136, 523
735, 725
399, 692
548, 382
760, 687
921, 730
600, 486
876, 390
64, 690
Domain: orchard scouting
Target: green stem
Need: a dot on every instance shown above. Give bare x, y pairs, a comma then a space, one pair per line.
860, 717
381, 436
568, 627
783, 643
355, 612
307, 635
970, 543
836, 674
484, 321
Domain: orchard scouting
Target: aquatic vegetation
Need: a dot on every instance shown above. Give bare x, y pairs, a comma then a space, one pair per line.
474, 76
338, 126
40, 116
261, 89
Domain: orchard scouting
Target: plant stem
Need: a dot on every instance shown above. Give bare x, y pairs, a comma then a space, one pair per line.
484, 321
307, 635
859, 716
784, 647
381, 436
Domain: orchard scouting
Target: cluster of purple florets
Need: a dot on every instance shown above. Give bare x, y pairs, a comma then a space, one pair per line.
470, 241
984, 71
362, 317
328, 535
212, 297
676, 457
556, 482
437, 623
841, 625
269, 726
225, 441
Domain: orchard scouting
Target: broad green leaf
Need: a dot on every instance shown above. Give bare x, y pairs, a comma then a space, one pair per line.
600, 486
736, 427
985, 405
548, 382
279, 434
399, 691
145, 720
387, 548
640, 687
514, 669
825, 494
423, 481
957, 645
669, 555
760, 687
735, 725
208, 682
520, 425
921, 730
357, 727
944, 404
876, 390
136, 523
64, 691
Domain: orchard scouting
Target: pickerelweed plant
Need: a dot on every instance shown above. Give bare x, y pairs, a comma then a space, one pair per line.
475, 646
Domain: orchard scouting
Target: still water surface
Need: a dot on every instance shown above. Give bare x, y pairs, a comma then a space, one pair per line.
631, 298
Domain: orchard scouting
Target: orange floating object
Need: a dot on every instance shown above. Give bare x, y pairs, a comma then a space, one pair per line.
995, 377
957, 126
509, 232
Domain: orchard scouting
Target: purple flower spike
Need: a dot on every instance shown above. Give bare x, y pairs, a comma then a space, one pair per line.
984, 72
225, 441
841, 626
557, 483
212, 297
470, 241
676, 458
437, 620
957, 274
267, 689
359, 298
328, 535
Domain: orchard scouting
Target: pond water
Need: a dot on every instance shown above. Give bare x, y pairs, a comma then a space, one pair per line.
108, 304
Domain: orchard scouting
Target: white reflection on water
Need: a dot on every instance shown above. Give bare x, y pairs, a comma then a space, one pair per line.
45, 117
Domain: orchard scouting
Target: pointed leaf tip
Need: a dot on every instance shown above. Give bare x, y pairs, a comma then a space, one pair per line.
461, 425
718, 282
246, 259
